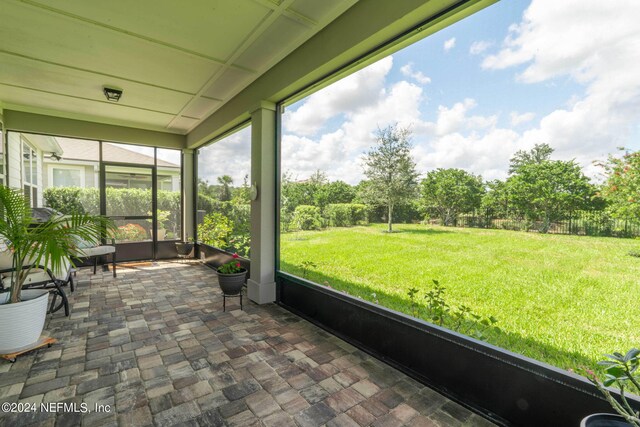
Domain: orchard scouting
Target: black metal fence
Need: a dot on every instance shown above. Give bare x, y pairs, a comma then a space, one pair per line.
583, 223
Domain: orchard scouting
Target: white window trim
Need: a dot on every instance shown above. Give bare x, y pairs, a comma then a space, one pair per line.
3, 155
34, 160
51, 167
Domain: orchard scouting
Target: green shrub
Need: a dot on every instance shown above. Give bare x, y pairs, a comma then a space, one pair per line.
219, 231
120, 202
215, 230
338, 215
207, 203
345, 214
307, 217
73, 199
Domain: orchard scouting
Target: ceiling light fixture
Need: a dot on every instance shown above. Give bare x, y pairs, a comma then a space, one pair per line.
55, 156
112, 94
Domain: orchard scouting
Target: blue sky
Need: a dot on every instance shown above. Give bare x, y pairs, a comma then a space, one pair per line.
515, 74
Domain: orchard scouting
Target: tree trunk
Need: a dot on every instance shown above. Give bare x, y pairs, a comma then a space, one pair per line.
390, 223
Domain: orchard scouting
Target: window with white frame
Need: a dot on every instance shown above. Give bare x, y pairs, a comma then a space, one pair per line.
30, 173
66, 176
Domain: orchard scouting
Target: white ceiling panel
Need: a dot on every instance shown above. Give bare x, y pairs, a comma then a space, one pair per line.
201, 107
274, 44
230, 83
211, 27
82, 45
183, 124
320, 10
83, 109
18, 71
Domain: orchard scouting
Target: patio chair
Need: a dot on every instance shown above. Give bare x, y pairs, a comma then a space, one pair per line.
92, 250
40, 277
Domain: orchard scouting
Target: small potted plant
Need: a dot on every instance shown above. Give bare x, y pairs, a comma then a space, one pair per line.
231, 276
622, 371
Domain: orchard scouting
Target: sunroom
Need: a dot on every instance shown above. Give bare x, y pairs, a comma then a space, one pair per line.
170, 119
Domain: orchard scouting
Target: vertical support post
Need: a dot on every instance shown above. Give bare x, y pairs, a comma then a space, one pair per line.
261, 284
188, 194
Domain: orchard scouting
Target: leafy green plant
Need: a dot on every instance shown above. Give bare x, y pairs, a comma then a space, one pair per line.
161, 217
437, 307
215, 230
49, 243
241, 244
621, 370
306, 265
231, 267
459, 318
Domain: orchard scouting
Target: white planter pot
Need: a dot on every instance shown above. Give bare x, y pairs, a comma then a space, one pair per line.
21, 324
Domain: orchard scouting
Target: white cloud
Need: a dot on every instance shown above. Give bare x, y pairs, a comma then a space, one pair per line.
485, 154
418, 76
337, 152
449, 44
593, 44
518, 119
478, 47
229, 156
352, 92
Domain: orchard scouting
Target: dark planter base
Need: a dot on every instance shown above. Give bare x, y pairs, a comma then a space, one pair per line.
183, 248
231, 284
604, 420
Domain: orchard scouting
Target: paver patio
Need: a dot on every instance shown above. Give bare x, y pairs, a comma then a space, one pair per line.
154, 347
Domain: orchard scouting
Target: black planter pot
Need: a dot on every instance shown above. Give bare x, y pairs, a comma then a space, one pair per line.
604, 420
231, 284
184, 248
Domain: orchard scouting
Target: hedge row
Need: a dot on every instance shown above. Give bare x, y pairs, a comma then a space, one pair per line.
120, 202
308, 217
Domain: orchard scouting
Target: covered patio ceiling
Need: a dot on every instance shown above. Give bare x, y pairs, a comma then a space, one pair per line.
176, 62
193, 69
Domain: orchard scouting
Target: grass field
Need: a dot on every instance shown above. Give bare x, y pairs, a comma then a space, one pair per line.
565, 300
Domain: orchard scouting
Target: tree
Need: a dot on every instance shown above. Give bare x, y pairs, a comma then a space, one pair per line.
225, 191
497, 200
450, 192
334, 192
622, 187
241, 195
390, 170
318, 178
549, 190
538, 154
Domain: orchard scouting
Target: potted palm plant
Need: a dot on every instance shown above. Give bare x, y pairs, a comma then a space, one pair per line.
231, 276
622, 371
25, 245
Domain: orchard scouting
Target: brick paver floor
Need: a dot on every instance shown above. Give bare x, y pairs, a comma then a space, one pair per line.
153, 347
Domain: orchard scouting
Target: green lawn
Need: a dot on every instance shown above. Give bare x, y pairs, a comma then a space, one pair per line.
565, 300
